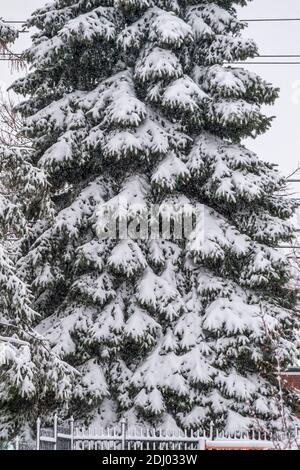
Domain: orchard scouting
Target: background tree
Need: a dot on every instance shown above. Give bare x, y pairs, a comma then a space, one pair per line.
11, 124
134, 102
31, 375
8, 35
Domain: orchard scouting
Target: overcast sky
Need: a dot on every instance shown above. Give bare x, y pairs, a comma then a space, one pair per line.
282, 143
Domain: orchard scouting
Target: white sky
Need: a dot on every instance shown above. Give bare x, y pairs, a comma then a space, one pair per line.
281, 143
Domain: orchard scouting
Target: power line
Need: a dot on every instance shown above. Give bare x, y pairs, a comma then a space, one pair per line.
7, 59
269, 56
13, 56
259, 56
14, 21
269, 20
249, 61
262, 63
279, 55
248, 20
16, 56
10, 54
288, 247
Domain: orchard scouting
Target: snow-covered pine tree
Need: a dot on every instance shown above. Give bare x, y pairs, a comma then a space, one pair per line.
132, 101
32, 377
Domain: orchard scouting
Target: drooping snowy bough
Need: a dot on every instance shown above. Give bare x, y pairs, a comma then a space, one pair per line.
132, 103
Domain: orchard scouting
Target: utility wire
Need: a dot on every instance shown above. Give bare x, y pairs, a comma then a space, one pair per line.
248, 20
7, 59
14, 21
271, 56
269, 20
5, 55
259, 56
279, 55
262, 63
14, 56
9, 56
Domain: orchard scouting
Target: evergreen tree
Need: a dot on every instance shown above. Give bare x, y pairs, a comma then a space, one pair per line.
33, 379
131, 104
31, 375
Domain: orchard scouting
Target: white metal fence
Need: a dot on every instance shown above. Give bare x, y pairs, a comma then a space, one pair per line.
56, 438
123, 437
135, 438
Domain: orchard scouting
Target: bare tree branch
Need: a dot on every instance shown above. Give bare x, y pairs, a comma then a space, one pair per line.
11, 124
